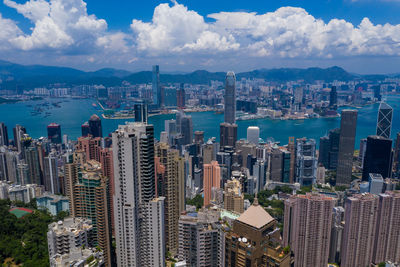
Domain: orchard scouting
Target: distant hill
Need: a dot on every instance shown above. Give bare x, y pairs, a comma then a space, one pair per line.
16, 75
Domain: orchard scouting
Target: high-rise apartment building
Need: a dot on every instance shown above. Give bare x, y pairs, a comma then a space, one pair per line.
172, 187
307, 228
91, 146
228, 135
387, 241
134, 180
347, 137
33, 161
378, 157
336, 234
384, 124
156, 87
212, 179
201, 239
230, 98
233, 196
54, 133
154, 243
359, 230
91, 200
63, 236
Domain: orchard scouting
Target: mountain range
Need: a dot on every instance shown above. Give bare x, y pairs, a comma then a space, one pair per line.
30, 76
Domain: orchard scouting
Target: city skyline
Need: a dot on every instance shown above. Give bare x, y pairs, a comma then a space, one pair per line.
79, 34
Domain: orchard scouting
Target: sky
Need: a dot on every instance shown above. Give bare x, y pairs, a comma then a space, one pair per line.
362, 36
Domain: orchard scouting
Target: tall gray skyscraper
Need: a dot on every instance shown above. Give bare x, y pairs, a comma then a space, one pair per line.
133, 156
156, 86
347, 138
3, 135
230, 97
384, 124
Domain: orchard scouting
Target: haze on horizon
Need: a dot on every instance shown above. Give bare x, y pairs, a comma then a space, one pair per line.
187, 36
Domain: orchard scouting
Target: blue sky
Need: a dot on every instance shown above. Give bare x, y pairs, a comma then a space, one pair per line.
360, 35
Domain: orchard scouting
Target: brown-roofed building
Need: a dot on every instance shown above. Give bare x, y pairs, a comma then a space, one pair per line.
255, 240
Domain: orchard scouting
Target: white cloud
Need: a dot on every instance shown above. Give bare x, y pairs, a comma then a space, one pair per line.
176, 29
176, 34
288, 32
8, 30
58, 24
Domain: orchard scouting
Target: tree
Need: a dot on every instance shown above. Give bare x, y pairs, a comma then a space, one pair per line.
196, 201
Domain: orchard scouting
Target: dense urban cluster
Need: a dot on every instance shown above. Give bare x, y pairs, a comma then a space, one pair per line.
183, 200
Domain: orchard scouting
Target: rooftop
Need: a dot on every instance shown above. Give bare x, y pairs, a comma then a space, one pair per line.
256, 216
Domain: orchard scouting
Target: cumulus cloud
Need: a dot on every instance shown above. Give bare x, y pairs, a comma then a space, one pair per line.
288, 32
58, 24
175, 29
66, 28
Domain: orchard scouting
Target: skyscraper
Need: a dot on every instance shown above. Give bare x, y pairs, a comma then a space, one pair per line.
133, 160
180, 96
359, 230
54, 133
292, 149
384, 124
51, 179
329, 149
347, 137
187, 129
307, 228
3, 135
228, 135
85, 129
396, 160
140, 112
156, 86
95, 126
91, 200
333, 98
230, 98
212, 179
172, 187
253, 134
18, 131
306, 161
378, 157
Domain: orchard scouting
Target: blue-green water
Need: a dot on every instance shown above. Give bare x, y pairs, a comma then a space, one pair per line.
73, 113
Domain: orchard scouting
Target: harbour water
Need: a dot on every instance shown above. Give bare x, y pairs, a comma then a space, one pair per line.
71, 113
